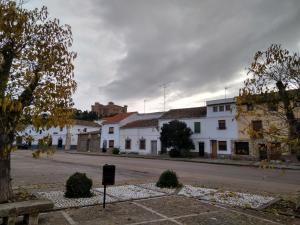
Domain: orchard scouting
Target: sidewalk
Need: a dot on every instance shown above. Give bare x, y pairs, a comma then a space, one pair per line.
169, 210
287, 166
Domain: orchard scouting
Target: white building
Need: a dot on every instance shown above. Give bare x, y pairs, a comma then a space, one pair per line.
214, 126
59, 134
141, 136
110, 132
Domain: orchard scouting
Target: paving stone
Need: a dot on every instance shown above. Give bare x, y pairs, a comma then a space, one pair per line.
128, 192
223, 218
173, 206
191, 191
117, 213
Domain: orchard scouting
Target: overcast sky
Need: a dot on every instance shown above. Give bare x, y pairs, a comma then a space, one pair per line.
128, 48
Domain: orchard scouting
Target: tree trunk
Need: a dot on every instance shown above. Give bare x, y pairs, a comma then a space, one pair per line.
5, 179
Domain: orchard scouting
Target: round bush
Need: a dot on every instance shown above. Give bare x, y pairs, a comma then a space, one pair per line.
174, 153
116, 151
78, 186
168, 179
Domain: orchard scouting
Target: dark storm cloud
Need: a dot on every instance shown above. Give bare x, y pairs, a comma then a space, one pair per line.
197, 45
128, 48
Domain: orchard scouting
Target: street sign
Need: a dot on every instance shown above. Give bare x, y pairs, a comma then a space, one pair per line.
108, 178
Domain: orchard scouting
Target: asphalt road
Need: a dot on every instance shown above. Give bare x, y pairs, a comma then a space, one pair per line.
52, 172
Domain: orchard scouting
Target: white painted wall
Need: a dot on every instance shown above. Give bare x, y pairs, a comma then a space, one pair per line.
135, 134
57, 133
210, 131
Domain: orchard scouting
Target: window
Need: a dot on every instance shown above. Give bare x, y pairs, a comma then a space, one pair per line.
228, 107
257, 128
242, 148
111, 143
127, 144
222, 124
111, 130
221, 108
29, 131
197, 127
84, 129
142, 144
215, 109
250, 107
272, 107
222, 145
61, 129
257, 125
40, 131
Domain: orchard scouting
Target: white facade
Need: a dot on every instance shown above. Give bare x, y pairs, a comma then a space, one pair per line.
59, 135
111, 131
210, 131
149, 134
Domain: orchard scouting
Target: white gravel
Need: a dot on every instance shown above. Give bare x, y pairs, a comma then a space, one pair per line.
60, 201
128, 192
191, 191
152, 186
238, 199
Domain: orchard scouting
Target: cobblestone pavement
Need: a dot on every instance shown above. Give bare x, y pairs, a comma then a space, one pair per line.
168, 210
51, 173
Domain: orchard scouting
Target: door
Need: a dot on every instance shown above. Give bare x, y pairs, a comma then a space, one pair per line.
201, 149
60, 143
154, 147
214, 150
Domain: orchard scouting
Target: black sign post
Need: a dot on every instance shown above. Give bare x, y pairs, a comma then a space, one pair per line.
108, 178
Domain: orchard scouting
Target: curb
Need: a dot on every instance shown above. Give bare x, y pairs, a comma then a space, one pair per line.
181, 160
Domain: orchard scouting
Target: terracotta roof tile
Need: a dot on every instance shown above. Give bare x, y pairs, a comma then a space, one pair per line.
185, 113
117, 118
141, 123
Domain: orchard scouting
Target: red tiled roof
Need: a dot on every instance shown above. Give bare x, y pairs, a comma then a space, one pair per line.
141, 123
185, 113
117, 118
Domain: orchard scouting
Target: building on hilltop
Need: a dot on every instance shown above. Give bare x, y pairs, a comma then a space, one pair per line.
108, 110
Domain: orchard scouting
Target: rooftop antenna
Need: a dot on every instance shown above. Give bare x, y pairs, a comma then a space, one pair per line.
225, 91
164, 86
145, 105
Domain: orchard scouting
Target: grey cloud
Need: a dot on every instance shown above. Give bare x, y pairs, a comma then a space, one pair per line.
128, 48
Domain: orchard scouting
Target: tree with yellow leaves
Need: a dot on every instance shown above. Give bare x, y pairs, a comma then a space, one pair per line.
36, 77
272, 95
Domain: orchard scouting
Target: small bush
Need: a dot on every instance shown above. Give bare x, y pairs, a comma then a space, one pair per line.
78, 186
168, 179
174, 153
116, 151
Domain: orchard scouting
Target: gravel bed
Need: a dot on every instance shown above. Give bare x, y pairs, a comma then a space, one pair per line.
61, 202
152, 186
238, 199
128, 192
191, 191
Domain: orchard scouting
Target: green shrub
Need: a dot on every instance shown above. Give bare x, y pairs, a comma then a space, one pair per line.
168, 179
174, 153
78, 186
116, 151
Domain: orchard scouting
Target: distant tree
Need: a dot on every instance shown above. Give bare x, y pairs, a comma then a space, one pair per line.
36, 76
85, 115
274, 90
176, 135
